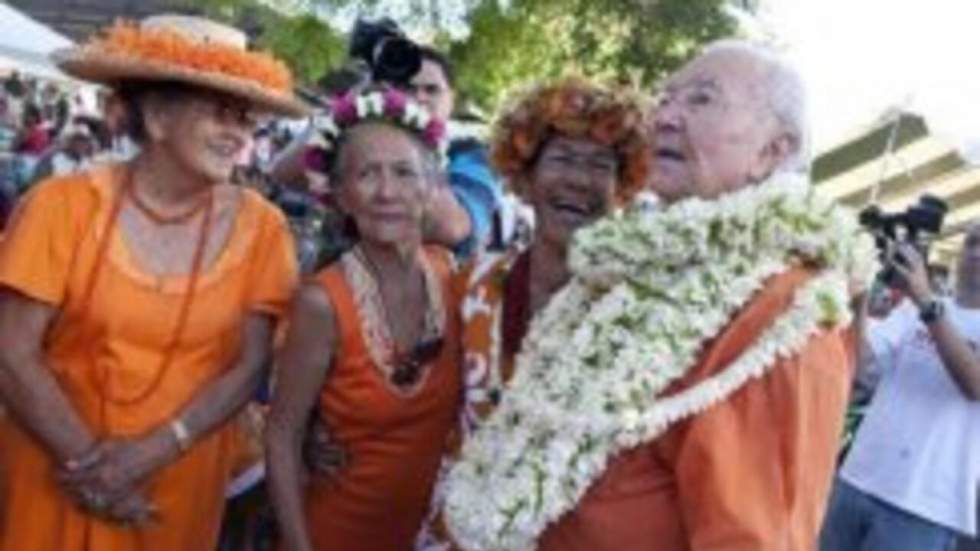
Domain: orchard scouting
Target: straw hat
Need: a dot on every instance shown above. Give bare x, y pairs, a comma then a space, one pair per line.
187, 49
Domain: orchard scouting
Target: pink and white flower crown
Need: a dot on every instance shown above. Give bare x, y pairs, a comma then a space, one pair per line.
389, 106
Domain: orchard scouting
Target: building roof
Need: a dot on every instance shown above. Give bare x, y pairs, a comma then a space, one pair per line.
860, 171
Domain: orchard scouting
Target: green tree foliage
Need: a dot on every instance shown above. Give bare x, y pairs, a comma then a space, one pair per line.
509, 43
307, 43
635, 41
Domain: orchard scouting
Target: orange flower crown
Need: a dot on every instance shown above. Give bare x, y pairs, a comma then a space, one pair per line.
166, 46
574, 108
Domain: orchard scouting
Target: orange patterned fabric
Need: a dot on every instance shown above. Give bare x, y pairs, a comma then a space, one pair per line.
165, 46
48, 255
395, 441
483, 288
751, 473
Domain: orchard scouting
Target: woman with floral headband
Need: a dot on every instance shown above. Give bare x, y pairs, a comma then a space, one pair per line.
372, 346
138, 301
574, 151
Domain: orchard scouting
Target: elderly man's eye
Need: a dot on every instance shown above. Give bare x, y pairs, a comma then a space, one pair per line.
557, 160
700, 98
602, 167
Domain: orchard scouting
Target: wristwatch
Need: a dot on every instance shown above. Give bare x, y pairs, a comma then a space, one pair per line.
931, 311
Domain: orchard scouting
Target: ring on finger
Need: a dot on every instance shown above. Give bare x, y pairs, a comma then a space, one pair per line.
97, 501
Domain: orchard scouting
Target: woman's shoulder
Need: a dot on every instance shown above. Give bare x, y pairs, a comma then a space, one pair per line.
261, 209
79, 191
487, 268
443, 259
331, 278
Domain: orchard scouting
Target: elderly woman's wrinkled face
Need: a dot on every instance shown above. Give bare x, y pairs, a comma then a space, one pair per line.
713, 130
572, 183
204, 132
384, 184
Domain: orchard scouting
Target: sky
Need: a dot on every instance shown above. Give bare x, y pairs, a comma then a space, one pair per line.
862, 57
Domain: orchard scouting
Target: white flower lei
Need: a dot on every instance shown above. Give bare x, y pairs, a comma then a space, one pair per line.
648, 290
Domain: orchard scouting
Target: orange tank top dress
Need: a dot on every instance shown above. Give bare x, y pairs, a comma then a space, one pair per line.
394, 439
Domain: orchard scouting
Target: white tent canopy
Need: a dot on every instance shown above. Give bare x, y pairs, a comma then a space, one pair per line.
25, 45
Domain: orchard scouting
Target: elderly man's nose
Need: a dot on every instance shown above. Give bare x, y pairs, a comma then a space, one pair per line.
667, 114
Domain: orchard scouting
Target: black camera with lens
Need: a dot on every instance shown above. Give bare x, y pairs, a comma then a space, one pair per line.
392, 57
916, 225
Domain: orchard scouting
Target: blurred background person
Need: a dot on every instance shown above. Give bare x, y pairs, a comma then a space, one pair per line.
73, 152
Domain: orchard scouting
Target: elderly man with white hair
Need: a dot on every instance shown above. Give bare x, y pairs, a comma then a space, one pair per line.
686, 391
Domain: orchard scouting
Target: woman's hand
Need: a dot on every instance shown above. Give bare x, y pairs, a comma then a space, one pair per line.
323, 455
133, 510
110, 473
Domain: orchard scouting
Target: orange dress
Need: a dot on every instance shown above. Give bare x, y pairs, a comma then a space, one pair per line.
395, 439
752, 473
48, 255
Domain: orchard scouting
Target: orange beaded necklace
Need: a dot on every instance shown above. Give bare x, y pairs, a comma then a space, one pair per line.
165, 219
126, 192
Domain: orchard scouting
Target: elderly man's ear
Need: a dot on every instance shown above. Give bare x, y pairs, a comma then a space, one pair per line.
774, 154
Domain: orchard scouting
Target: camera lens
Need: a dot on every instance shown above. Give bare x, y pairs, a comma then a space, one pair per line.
396, 61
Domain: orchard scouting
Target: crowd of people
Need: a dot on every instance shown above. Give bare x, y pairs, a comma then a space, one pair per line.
368, 329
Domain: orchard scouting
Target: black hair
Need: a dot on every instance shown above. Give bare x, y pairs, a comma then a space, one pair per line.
32, 113
428, 53
133, 92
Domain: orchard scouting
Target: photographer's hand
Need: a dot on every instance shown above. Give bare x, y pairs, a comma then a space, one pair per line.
911, 268
958, 358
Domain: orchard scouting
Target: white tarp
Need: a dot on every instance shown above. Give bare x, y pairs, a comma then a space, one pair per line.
25, 45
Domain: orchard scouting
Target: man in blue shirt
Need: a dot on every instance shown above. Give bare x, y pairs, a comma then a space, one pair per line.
461, 214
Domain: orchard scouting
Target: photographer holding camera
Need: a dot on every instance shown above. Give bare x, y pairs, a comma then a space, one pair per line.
910, 481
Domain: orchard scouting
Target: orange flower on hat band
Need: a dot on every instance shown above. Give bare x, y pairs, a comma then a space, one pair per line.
167, 46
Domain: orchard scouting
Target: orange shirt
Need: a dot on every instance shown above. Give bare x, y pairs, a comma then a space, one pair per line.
751, 473
395, 441
48, 255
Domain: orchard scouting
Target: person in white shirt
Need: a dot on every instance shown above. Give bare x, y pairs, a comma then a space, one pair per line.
911, 479
72, 153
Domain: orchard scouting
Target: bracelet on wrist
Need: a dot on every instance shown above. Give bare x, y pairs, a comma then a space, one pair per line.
181, 435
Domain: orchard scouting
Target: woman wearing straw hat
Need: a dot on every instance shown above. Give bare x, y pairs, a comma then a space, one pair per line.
372, 346
137, 303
